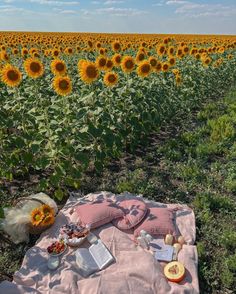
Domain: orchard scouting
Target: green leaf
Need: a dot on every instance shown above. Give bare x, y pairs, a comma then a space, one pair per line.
1, 212
59, 194
43, 184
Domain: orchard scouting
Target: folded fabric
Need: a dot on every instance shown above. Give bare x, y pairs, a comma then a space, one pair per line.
134, 211
98, 213
158, 221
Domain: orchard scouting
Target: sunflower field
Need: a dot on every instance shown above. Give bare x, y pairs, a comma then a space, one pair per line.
72, 101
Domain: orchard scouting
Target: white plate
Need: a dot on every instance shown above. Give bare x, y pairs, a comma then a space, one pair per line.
74, 242
55, 255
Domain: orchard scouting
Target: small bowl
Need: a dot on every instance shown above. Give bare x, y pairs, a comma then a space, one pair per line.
58, 254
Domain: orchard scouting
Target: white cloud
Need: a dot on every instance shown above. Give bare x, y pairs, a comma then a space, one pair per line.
192, 9
120, 11
54, 2
111, 2
8, 1
160, 3
68, 12
176, 2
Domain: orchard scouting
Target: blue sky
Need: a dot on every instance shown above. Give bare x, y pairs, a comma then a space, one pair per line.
135, 16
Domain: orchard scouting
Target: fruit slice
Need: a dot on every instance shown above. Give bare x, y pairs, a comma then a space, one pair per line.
174, 271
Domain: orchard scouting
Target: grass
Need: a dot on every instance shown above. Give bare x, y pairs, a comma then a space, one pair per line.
193, 161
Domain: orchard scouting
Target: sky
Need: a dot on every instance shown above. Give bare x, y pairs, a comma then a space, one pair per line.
118, 16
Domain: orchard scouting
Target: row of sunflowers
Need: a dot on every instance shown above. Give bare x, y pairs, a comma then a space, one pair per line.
71, 100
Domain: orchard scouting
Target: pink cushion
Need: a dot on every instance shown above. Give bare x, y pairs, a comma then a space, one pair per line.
158, 221
98, 213
134, 211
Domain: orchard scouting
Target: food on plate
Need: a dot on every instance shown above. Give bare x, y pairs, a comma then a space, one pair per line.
74, 231
174, 271
57, 247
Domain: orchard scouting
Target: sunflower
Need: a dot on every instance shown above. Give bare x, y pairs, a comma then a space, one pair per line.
110, 79
175, 71
101, 62
98, 45
158, 66
161, 49
140, 57
34, 68
206, 61
179, 53
153, 61
101, 51
90, 44
48, 220
11, 76
165, 66
127, 64
89, 72
36, 217
144, 69
109, 65
171, 50
178, 80
185, 49
4, 56
62, 85
116, 59
172, 61
116, 46
198, 56
15, 51
46, 209
24, 51
58, 67
68, 51
55, 52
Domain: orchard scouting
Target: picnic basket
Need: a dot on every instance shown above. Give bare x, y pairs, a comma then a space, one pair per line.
33, 229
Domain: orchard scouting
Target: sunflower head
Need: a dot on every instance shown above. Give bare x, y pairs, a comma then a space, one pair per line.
206, 61
165, 67
110, 79
101, 62
175, 71
140, 57
161, 49
172, 61
36, 217
11, 76
127, 64
153, 61
171, 50
62, 85
55, 52
46, 209
109, 65
48, 220
116, 46
158, 66
34, 68
144, 69
89, 72
58, 67
116, 59
178, 80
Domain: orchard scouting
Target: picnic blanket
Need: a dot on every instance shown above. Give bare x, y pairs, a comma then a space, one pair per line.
135, 271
